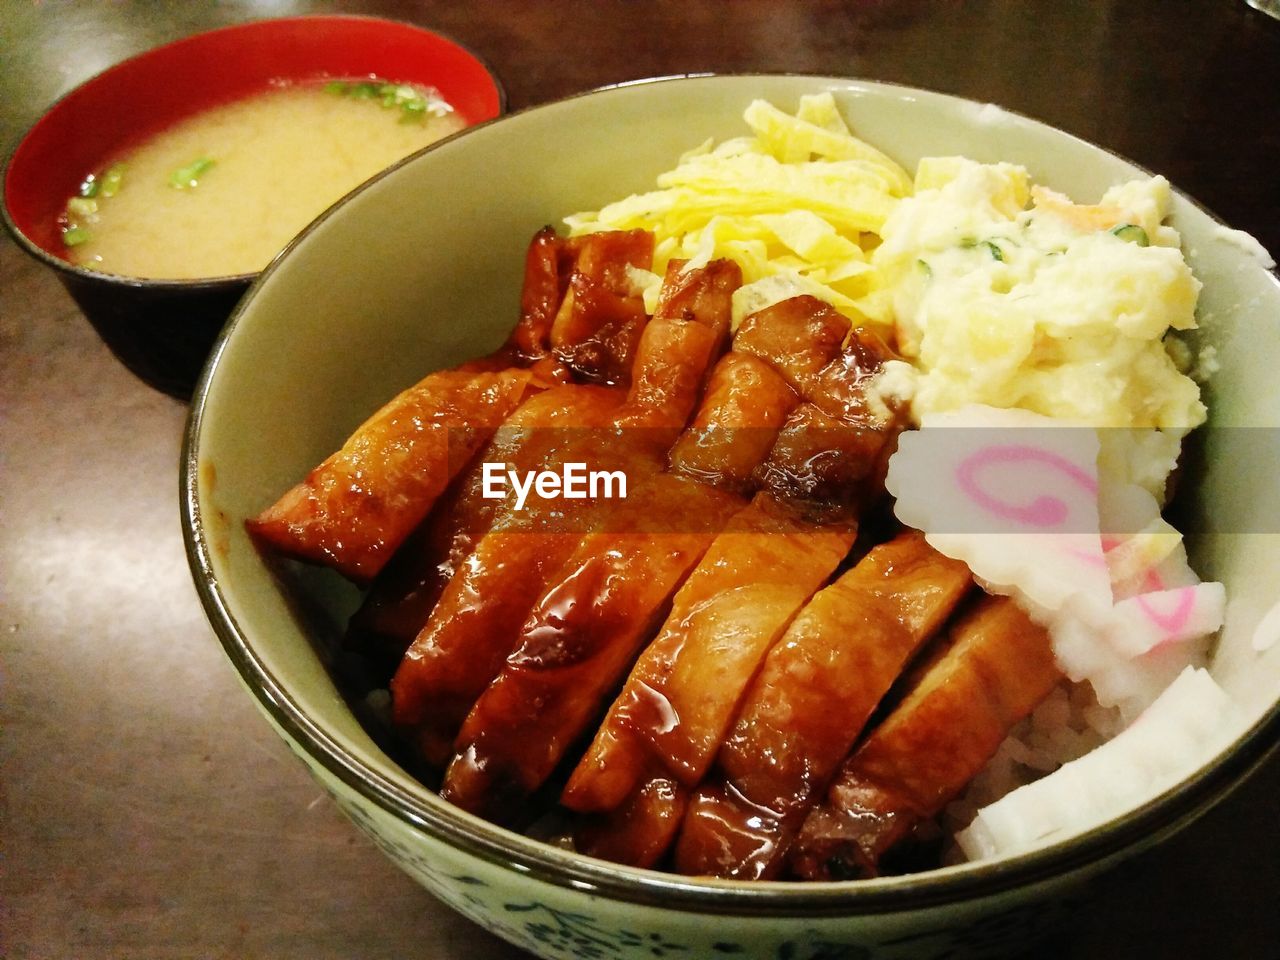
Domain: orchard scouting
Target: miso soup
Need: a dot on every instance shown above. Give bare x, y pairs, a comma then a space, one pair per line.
224, 191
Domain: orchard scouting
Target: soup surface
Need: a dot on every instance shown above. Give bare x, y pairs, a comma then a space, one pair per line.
224, 191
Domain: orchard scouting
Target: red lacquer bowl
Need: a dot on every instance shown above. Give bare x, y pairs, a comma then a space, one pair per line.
162, 330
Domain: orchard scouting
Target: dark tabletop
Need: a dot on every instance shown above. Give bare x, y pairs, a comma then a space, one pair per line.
146, 809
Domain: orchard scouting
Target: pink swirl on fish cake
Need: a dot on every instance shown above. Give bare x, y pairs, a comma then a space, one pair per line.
1174, 621
1046, 510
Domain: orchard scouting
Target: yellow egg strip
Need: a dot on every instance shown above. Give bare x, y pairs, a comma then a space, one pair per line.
797, 206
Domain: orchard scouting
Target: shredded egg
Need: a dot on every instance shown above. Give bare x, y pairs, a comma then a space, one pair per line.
799, 204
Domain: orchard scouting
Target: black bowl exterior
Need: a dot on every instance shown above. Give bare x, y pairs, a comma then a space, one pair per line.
162, 332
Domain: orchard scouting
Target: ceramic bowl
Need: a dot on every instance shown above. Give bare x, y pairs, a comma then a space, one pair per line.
162, 330
436, 280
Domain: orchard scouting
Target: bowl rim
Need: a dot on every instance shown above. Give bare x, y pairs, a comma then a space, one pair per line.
1155, 820
70, 270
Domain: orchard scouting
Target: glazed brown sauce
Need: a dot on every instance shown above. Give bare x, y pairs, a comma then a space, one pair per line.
726, 835
846, 844
646, 709
799, 337
568, 627
597, 328
745, 405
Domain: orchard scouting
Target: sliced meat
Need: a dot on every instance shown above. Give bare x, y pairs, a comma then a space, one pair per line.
547, 268
814, 450
578, 643
833, 451
473, 626
746, 403
688, 332
402, 595
842, 387
663, 729
828, 464
598, 325
476, 623
353, 511
777, 353
635, 811
541, 432
996, 666
356, 508
799, 336
810, 700
398, 605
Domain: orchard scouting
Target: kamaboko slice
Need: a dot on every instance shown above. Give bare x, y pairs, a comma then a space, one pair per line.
1015, 496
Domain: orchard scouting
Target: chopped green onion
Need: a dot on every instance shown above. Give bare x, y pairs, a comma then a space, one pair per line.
82, 206
112, 180
413, 110
996, 252
189, 176
928, 270
413, 103
1132, 233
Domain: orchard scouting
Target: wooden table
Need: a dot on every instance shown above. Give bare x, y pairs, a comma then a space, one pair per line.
149, 812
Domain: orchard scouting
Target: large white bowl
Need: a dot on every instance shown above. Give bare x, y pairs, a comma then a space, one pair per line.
420, 270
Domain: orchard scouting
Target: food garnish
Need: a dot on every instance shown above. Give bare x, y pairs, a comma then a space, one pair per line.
82, 209
188, 177
112, 180
414, 102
